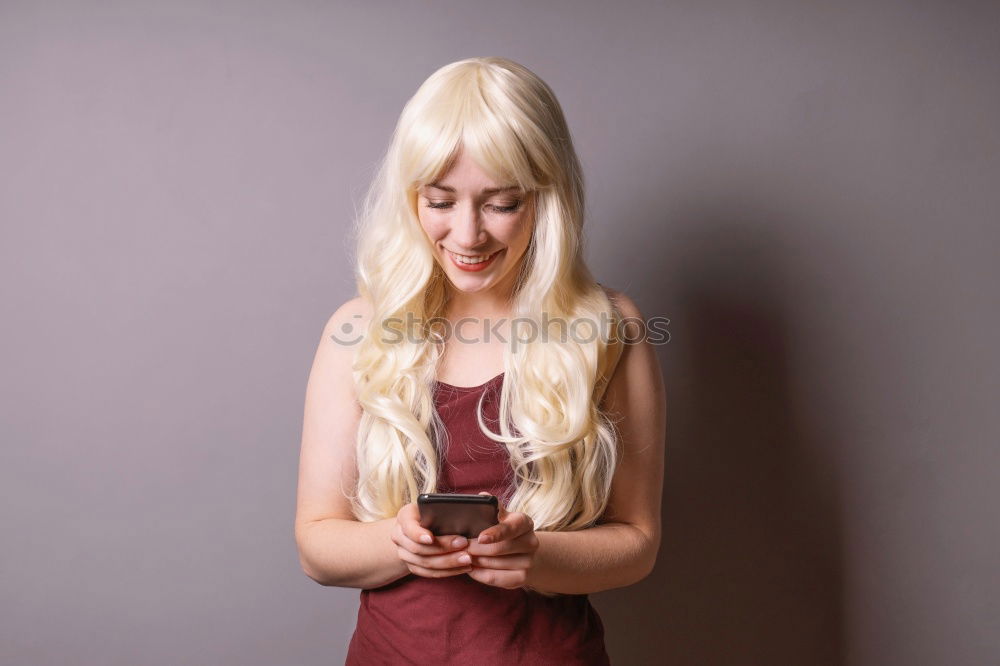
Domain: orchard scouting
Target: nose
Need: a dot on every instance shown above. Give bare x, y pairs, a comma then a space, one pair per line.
467, 231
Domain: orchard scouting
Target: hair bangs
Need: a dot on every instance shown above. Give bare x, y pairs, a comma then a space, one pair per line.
497, 147
466, 116
433, 144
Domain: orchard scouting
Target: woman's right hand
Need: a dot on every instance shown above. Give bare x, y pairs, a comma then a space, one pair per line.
425, 554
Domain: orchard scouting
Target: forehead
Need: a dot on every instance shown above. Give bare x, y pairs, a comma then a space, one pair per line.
464, 174
442, 186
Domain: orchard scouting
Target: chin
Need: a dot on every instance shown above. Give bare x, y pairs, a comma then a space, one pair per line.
469, 285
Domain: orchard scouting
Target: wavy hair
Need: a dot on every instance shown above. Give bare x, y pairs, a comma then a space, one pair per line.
563, 447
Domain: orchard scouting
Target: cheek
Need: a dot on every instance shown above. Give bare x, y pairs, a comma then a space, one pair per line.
520, 233
434, 229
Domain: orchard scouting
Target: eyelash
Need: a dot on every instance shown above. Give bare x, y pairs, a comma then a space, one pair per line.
500, 209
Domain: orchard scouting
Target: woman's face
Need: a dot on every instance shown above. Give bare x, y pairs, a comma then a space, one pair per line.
479, 229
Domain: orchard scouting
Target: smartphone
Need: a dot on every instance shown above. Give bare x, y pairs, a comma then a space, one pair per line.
457, 513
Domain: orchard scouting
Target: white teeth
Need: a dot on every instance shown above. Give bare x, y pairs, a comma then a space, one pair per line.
462, 259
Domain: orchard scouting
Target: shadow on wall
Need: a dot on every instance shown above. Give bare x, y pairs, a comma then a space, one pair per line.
749, 570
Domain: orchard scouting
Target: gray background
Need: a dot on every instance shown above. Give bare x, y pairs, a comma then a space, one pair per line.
809, 191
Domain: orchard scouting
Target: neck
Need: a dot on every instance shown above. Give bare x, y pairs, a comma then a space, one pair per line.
461, 304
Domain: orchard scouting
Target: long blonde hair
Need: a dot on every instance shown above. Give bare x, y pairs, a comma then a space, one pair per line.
563, 447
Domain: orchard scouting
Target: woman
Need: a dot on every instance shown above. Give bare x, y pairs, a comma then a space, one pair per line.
480, 356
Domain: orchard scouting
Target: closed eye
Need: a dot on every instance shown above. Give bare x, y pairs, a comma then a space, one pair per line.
500, 209
507, 209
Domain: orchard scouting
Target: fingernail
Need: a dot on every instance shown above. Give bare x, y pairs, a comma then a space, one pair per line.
426, 538
459, 542
464, 558
485, 538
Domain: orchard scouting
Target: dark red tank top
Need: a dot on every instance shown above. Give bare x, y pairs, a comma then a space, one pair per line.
458, 620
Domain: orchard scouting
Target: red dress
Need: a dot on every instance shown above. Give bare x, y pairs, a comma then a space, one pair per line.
458, 620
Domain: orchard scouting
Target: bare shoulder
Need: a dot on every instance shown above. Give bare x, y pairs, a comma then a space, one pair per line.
342, 333
625, 305
353, 315
637, 370
331, 378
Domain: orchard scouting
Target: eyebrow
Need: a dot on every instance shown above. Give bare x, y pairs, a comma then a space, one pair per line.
489, 190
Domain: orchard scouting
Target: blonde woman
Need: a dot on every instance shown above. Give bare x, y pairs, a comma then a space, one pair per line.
480, 356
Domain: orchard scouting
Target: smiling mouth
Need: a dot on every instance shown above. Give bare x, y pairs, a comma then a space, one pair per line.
473, 260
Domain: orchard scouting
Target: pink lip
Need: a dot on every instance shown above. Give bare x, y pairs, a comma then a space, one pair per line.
474, 268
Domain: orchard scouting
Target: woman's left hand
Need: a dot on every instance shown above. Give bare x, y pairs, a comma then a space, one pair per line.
508, 552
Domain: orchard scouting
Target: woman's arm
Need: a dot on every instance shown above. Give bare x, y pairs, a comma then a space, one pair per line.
334, 548
349, 553
622, 548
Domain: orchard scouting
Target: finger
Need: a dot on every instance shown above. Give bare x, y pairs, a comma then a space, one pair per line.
445, 561
438, 573
524, 543
409, 519
507, 562
442, 544
511, 526
499, 577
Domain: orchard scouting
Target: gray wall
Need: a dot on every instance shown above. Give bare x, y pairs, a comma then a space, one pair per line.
809, 192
